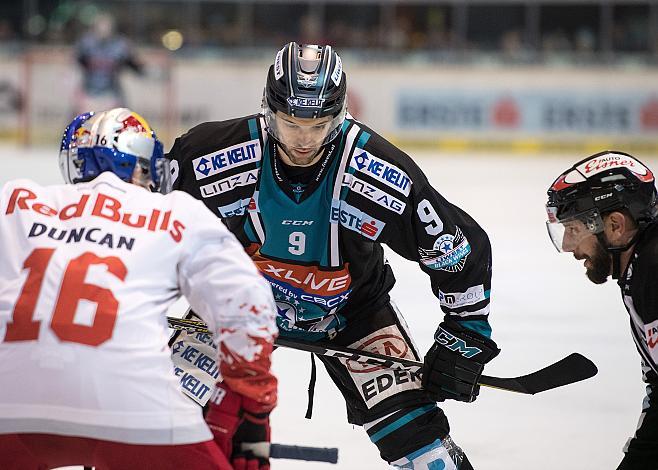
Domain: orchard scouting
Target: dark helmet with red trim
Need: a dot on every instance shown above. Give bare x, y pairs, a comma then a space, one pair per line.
306, 81
597, 185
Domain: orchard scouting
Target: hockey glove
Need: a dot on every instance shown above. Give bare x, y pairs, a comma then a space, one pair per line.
454, 363
240, 428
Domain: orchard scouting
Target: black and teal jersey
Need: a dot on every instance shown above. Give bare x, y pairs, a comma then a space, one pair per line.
319, 241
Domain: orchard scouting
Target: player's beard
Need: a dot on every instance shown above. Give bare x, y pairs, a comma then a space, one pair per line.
302, 158
600, 265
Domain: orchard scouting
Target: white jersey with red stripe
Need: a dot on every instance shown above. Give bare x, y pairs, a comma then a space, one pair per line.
87, 273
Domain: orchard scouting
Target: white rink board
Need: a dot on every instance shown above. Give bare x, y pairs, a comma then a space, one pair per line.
543, 308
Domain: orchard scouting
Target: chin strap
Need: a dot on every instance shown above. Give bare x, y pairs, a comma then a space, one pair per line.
326, 145
616, 251
616, 262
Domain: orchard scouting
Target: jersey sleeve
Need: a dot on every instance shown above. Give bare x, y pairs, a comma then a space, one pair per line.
176, 159
445, 241
179, 158
199, 163
225, 289
453, 250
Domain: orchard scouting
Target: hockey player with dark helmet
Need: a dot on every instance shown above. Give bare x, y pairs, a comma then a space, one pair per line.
603, 210
305, 100
314, 195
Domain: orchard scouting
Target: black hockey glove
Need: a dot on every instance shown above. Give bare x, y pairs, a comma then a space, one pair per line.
454, 363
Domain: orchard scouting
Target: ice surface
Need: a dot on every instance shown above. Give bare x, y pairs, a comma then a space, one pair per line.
543, 308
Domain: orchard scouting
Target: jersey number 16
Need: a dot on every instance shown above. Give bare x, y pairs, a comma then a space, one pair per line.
24, 327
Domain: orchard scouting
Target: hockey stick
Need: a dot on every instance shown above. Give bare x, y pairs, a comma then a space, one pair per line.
309, 454
571, 369
191, 326
285, 451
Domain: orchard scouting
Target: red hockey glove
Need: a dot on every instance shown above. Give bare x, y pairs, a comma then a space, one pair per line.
241, 429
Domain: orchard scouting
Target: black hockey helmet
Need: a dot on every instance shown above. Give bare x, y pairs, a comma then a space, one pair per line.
306, 81
599, 184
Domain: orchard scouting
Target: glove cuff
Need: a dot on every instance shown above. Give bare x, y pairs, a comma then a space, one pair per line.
465, 342
229, 401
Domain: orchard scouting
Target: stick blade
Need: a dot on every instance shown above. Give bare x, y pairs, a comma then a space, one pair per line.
571, 369
310, 454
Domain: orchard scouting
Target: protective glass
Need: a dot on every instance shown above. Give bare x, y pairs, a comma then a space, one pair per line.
566, 234
149, 173
296, 135
148, 153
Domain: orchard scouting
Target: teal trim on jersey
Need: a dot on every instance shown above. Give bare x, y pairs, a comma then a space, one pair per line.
255, 134
397, 424
344, 126
253, 129
287, 220
302, 296
479, 326
363, 139
423, 450
249, 232
296, 230
360, 143
306, 307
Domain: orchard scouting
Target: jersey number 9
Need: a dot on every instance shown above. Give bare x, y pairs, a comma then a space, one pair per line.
428, 215
297, 242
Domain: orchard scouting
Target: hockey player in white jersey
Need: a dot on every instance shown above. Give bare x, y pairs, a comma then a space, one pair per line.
87, 273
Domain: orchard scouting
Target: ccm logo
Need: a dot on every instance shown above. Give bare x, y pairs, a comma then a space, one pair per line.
603, 196
297, 222
455, 344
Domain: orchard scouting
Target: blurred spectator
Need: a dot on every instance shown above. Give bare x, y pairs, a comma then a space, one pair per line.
102, 54
438, 34
631, 35
585, 41
400, 35
511, 45
6, 30
556, 41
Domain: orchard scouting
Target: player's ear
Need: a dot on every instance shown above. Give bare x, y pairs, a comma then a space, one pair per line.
617, 224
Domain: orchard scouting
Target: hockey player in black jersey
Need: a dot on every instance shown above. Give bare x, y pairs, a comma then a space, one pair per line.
603, 210
313, 194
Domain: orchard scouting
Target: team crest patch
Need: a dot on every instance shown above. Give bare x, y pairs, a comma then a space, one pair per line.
293, 317
286, 311
449, 252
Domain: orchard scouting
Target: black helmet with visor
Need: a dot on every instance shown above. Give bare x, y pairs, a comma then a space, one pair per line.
607, 181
